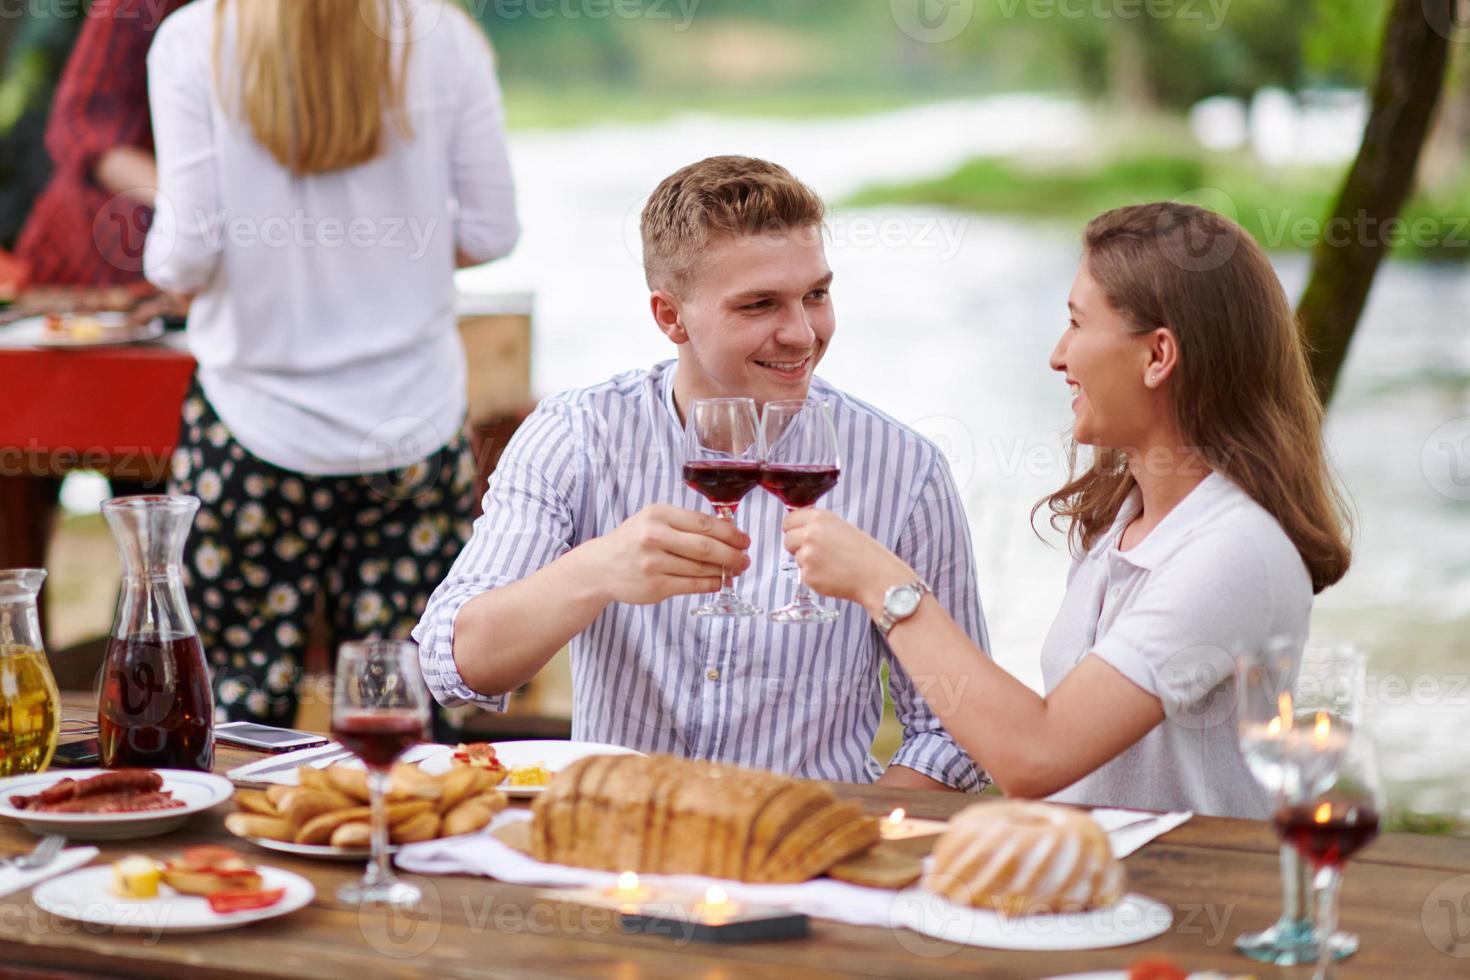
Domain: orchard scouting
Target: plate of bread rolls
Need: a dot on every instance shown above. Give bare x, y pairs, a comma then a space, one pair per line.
327, 815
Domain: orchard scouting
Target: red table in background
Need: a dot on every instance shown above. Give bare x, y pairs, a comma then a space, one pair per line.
110, 409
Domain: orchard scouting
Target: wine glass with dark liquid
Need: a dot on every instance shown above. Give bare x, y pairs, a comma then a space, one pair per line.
1297, 712
722, 462
801, 466
1328, 827
380, 708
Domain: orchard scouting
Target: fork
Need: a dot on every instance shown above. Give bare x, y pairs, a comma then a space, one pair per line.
41, 855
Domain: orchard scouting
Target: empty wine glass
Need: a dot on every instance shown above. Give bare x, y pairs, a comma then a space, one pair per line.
722, 461
1331, 825
380, 708
1296, 713
801, 466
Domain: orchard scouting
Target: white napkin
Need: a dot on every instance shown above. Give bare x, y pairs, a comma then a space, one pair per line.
482, 854
14, 880
1128, 830
283, 766
824, 898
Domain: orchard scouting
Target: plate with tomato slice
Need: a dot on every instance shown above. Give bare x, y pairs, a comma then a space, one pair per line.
527, 766
202, 890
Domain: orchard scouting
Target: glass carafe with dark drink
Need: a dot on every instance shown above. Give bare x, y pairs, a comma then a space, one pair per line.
156, 709
30, 709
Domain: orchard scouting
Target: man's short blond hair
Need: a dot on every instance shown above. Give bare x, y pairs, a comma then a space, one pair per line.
715, 198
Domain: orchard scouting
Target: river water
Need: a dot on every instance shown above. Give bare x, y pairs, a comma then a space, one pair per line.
945, 321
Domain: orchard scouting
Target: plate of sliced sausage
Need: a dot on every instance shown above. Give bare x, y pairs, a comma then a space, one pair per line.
110, 804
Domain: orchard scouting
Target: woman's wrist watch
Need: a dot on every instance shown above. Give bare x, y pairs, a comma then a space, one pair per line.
901, 602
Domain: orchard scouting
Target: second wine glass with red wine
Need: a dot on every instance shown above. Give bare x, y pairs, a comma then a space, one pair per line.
722, 461
380, 708
1330, 826
801, 466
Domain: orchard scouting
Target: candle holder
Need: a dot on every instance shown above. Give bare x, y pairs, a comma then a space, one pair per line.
716, 919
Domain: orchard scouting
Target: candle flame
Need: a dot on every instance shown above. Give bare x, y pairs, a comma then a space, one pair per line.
715, 895
628, 881
1283, 709
1322, 729
1273, 728
1323, 814
896, 817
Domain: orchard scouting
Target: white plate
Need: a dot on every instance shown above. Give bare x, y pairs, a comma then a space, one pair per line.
198, 791
32, 332
322, 851
1135, 919
554, 755
86, 896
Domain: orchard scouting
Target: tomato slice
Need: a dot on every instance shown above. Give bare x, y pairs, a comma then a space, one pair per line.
1156, 968
223, 903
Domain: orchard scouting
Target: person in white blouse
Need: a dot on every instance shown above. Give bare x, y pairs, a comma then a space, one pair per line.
323, 169
1202, 522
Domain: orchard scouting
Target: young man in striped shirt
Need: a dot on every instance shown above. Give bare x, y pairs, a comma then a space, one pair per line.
590, 538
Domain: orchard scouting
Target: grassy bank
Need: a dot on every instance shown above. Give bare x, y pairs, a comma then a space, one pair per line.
1282, 208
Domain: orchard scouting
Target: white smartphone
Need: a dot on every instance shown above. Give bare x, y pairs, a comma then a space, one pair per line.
264, 737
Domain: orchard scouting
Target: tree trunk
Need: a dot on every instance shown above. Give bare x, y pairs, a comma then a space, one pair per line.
1410, 76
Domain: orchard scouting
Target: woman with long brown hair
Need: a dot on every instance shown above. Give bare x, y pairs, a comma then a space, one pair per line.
1202, 520
324, 165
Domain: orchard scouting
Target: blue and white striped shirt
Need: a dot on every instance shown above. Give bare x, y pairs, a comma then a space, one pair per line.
804, 700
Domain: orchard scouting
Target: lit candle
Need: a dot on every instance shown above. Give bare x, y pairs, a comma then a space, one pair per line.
716, 905
891, 826
628, 890
1323, 814
1322, 731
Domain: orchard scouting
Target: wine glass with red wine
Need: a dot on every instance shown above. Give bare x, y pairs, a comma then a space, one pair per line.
1328, 827
722, 461
801, 466
380, 708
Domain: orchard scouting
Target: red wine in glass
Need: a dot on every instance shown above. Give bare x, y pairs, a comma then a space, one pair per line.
722, 482
1326, 835
156, 710
797, 485
379, 737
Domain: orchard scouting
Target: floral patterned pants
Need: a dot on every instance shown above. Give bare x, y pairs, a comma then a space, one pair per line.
267, 540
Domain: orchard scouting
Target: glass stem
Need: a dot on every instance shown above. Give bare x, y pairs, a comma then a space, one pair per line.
803, 595
379, 869
1296, 884
727, 587
1327, 883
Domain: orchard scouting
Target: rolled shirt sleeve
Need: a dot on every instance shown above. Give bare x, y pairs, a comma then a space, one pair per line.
529, 520
1214, 597
936, 543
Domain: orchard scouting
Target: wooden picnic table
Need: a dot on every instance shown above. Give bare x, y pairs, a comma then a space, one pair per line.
1219, 876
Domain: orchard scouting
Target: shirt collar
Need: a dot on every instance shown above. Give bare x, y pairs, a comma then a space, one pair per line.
1171, 532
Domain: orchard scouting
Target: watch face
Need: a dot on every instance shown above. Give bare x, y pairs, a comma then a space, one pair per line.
903, 601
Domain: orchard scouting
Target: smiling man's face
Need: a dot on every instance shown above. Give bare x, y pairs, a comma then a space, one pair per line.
754, 319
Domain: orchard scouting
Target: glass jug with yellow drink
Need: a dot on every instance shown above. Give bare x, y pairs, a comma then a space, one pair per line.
30, 707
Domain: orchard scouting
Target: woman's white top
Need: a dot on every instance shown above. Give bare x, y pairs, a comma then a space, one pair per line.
1217, 576
324, 323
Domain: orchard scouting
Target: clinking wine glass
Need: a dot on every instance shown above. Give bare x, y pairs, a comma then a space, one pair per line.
722, 461
1296, 714
801, 466
380, 708
1329, 826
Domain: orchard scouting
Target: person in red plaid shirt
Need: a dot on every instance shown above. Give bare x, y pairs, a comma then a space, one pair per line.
88, 226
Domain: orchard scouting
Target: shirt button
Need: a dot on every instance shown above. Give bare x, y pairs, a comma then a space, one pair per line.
1117, 589
712, 674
